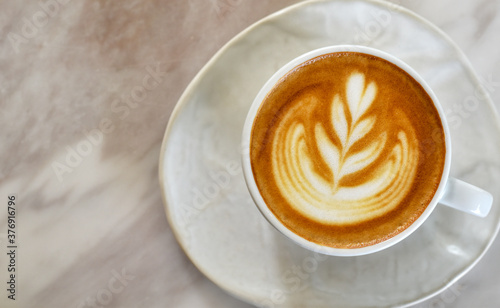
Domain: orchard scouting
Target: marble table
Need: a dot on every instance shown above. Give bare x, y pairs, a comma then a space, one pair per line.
86, 91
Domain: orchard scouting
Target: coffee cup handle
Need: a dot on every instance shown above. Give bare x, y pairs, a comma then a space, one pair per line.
466, 197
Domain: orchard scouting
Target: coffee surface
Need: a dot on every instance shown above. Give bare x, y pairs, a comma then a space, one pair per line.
347, 150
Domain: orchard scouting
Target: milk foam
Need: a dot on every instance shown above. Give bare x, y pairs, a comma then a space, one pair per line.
392, 166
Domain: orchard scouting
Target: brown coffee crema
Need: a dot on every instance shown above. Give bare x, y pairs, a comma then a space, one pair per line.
347, 150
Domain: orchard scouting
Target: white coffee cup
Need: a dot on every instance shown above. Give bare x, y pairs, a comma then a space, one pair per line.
450, 192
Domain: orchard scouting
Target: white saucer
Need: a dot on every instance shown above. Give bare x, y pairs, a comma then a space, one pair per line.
226, 237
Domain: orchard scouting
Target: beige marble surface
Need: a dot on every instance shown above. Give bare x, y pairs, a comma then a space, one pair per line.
86, 91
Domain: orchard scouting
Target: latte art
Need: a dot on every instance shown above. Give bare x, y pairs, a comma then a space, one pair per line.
347, 150
327, 199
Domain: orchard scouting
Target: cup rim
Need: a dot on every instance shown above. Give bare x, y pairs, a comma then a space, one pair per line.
250, 180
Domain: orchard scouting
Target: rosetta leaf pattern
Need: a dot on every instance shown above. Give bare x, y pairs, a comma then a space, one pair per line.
360, 130
338, 157
358, 98
339, 120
